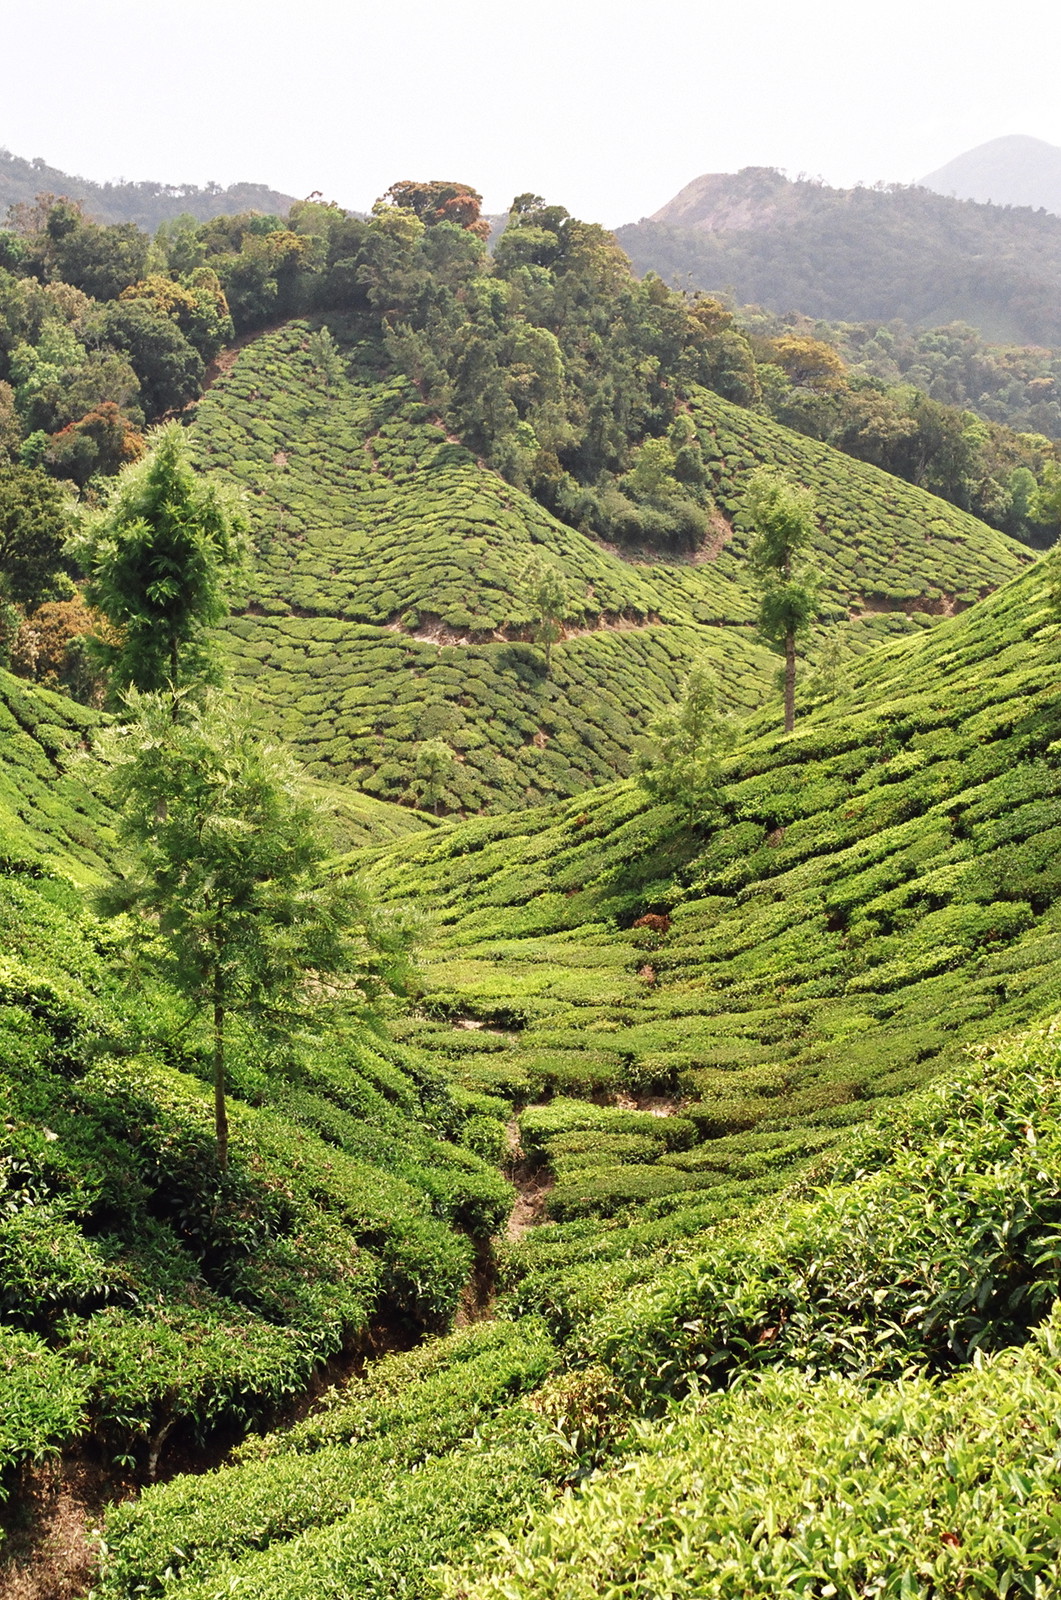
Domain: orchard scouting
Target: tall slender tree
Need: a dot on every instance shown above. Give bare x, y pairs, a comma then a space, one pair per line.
686, 764
784, 520
161, 557
227, 879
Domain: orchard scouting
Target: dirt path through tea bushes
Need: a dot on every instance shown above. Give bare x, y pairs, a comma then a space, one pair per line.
532, 1188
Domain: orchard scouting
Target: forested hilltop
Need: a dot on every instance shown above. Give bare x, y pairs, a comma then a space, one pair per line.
605, 404
1017, 385
531, 931
856, 255
146, 204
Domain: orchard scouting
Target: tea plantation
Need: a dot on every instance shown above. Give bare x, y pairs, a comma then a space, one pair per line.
146, 1298
768, 1411
880, 889
695, 1230
386, 607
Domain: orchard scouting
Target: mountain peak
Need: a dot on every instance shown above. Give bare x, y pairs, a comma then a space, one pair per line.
1015, 170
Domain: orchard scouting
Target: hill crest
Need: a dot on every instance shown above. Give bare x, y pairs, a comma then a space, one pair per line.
147, 203
1015, 170
856, 255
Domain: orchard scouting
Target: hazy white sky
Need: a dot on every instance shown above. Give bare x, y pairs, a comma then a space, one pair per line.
606, 107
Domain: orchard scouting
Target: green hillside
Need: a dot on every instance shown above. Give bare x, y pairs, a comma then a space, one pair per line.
386, 607
692, 1227
49, 817
837, 1459
881, 890
148, 1299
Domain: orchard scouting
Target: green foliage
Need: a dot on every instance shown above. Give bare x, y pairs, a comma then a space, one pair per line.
160, 556
685, 766
42, 733
864, 255
783, 518
42, 1402
168, 366
147, 1298
432, 773
550, 601
194, 301
389, 1541
385, 610
880, 1276
227, 876
868, 898
406, 1411
908, 1489
33, 520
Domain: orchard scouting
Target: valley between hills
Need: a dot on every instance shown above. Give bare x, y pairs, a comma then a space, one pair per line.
616, 1152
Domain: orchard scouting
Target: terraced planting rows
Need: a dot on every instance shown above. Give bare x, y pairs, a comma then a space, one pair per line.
386, 608
883, 543
882, 889
682, 1021
48, 814
145, 1296
437, 1474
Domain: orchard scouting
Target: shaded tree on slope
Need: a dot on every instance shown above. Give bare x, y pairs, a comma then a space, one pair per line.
160, 556
227, 882
783, 517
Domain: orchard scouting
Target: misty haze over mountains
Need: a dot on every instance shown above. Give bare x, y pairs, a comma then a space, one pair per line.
858, 255
1014, 171
148, 204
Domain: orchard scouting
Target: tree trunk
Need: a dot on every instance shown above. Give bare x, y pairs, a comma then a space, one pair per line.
220, 1109
790, 682
173, 664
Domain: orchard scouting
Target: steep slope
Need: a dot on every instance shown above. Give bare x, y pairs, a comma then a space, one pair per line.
386, 609
147, 204
1012, 171
49, 817
835, 1458
858, 254
881, 889
146, 1296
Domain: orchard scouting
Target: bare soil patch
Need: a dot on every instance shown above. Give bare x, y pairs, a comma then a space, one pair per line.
49, 1551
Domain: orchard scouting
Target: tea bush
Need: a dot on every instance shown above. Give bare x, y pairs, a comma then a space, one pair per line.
785, 1485
953, 1245
146, 1297
387, 1543
386, 608
877, 891
42, 1402
407, 1410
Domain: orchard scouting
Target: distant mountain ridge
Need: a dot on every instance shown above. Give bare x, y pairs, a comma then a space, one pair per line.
148, 204
1013, 171
858, 255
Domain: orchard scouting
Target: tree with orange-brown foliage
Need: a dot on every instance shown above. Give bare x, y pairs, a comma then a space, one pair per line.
438, 201
102, 441
807, 363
